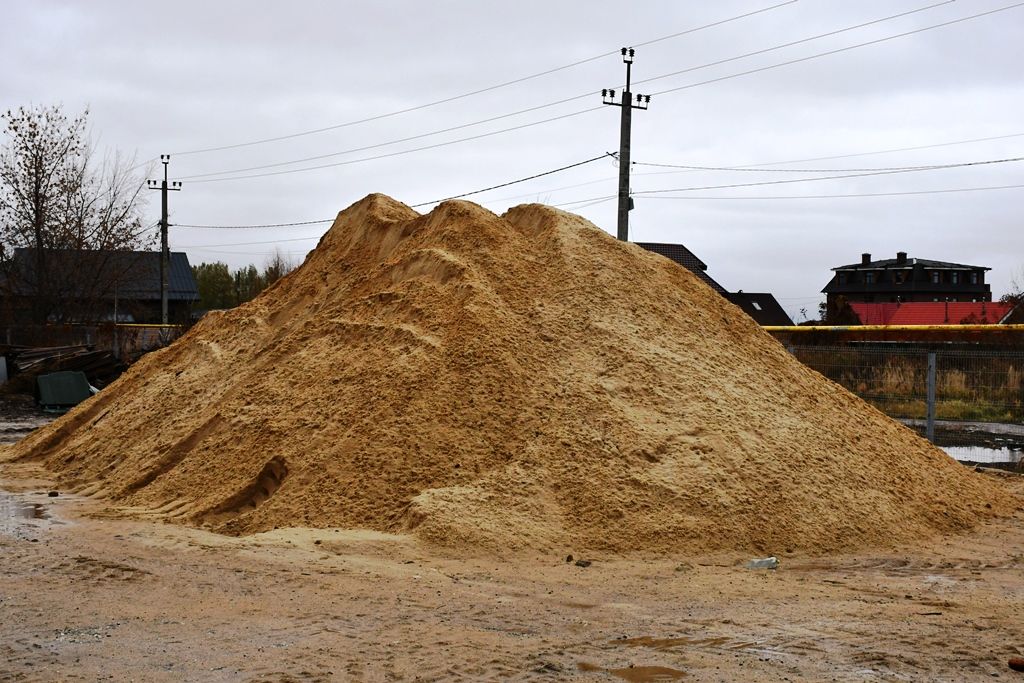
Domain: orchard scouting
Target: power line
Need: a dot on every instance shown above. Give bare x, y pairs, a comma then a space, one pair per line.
401, 152
552, 189
247, 244
584, 111
590, 201
378, 145
838, 50
464, 194
869, 154
526, 110
859, 194
483, 90
513, 182
791, 170
833, 177
798, 42
242, 227
755, 166
251, 253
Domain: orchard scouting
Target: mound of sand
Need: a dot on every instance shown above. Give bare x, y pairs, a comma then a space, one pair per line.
523, 381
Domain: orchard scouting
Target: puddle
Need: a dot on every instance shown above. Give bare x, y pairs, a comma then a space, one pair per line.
30, 511
637, 674
14, 430
986, 455
669, 643
23, 516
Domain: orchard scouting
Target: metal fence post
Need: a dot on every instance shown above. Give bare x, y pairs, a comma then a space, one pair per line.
931, 396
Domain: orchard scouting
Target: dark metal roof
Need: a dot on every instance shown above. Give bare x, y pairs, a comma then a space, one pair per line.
126, 274
761, 306
910, 263
686, 259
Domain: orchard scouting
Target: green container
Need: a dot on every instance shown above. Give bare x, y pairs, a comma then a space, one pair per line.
61, 391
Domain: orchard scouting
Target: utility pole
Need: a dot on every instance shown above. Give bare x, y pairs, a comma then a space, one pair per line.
627, 105
165, 254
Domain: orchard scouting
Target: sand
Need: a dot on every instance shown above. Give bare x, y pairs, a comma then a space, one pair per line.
513, 382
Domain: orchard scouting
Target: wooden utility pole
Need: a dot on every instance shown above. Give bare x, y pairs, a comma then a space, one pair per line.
165, 254
627, 105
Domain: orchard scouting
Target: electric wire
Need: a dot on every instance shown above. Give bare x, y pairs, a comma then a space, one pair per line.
838, 50
590, 201
566, 100
206, 179
756, 166
481, 90
243, 227
434, 201
801, 41
378, 145
514, 182
935, 167
246, 244
842, 156
850, 195
400, 152
790, 170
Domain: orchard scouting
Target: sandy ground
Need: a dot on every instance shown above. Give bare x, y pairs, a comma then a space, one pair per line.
85, 595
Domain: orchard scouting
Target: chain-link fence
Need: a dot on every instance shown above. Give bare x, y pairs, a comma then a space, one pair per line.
958, 397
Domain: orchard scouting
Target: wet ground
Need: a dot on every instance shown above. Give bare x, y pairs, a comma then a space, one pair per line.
86, 596
19, 415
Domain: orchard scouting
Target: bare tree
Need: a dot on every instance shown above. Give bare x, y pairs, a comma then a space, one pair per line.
278, 265
54, 197
1016, 294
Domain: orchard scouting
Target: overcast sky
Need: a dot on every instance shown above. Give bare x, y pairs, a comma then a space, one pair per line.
178, 77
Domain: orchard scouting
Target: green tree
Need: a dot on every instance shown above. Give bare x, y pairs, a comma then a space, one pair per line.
248, 283
215, 284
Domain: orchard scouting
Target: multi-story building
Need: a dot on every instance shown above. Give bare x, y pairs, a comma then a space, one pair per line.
903, 279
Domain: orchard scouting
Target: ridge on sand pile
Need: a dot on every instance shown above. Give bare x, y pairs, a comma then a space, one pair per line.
523, 381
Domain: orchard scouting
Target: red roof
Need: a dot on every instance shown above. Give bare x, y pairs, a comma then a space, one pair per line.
874, 314
931, 313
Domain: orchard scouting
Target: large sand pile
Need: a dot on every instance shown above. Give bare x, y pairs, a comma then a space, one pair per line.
522, 381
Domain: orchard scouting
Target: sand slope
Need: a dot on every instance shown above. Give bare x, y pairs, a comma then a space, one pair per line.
523, 381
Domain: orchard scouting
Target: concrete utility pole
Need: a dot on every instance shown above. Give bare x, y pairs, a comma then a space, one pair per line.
627, 105
165, 254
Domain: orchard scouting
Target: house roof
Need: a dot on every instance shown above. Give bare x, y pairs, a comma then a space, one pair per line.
874, 314
686, 258
761, 306
927, 264
932, 313
97, 273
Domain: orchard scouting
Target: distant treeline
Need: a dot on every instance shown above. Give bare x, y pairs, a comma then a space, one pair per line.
220, 287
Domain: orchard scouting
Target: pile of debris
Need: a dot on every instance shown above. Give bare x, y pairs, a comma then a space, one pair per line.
516, 381
25, 363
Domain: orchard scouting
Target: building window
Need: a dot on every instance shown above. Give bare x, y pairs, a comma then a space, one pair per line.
899, 277
869, 278
974, 278
757, 306
842, 278
935, 277
955, 278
